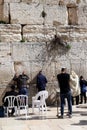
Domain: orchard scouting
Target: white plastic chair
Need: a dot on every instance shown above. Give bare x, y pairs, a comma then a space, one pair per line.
11, 104
40, 104
22, 103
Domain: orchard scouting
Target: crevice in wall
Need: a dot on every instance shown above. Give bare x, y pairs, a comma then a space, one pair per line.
22, 38
9, 15
72, 14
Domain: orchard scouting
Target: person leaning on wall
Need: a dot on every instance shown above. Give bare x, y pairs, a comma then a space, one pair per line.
22, 81
41, 81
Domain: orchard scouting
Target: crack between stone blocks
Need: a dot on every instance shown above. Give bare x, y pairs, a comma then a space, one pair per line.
9, 15
22, 25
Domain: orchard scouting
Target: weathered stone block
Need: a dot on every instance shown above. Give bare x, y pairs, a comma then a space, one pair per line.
38, 33
7, 71
76, 50
25, 13
10, 32
56, 13
82, 15
5, 53
28, 1
4, 12
11, 1
72, 16
1, 1
43, 2
28, 52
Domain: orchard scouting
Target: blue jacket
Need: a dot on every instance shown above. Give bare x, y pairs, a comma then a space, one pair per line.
41, 82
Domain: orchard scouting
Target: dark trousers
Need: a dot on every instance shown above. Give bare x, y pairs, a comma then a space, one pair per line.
75, 100
83, 97
69, 101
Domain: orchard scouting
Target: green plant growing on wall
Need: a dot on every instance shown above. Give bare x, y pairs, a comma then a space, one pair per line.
57, 40
68, 46
23, 40
3, 22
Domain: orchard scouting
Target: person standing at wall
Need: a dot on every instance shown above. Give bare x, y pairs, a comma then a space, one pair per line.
65, 91
83, 85
41, 81
21, 81
75, 87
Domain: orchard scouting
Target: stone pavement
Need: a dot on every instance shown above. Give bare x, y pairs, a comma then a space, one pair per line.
47, 121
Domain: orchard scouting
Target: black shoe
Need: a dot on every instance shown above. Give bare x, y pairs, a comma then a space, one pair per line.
70, 116
61, 117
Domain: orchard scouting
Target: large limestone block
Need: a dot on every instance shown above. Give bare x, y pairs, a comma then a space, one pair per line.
38, 33
29, 1
51, 2
19, 52
5, 53
4, 12
35, 67
26, 13
10, 32
49, 70
7, 72
76, 66
1, 1
20, 66
77, 51
29, 52
56, 14
78, 34
82, 15
44, 2
11, 1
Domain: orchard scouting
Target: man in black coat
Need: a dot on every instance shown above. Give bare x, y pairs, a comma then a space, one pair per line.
21, 82
65, 92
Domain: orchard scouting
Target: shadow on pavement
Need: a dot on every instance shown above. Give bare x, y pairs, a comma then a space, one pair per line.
82, 122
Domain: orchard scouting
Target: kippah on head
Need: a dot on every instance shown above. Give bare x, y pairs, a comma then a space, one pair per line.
63, 69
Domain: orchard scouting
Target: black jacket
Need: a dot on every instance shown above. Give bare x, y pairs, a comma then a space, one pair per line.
82, 82
64, 80
41, 82
21, 80
9, 93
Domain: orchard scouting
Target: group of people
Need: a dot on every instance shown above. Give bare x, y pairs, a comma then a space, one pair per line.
71, 88
21, 81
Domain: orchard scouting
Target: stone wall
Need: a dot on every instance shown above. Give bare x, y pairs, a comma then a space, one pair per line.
27, 30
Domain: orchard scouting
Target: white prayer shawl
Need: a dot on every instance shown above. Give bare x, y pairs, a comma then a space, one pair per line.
74, 84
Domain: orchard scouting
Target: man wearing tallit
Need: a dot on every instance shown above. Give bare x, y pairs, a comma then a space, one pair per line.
75, 88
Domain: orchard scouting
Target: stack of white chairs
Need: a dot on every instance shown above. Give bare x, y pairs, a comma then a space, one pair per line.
39, 101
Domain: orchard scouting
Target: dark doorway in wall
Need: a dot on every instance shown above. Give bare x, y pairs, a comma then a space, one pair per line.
72, 15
